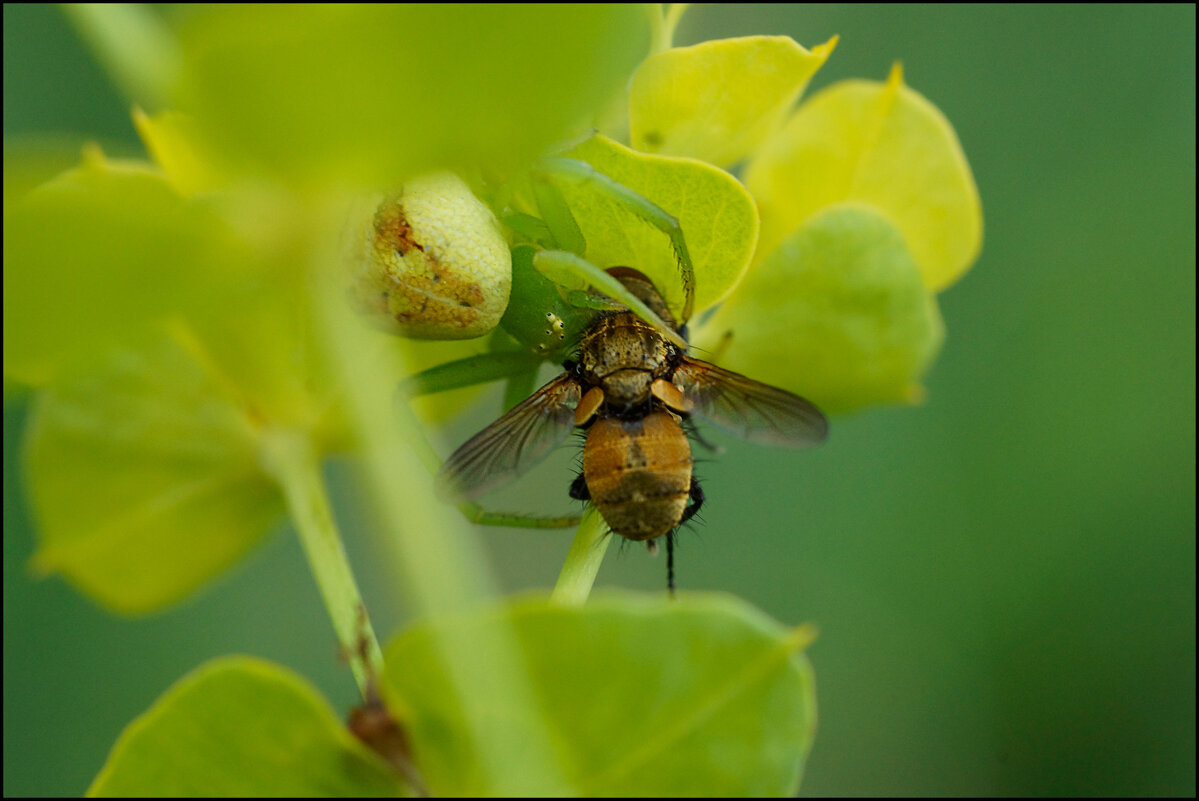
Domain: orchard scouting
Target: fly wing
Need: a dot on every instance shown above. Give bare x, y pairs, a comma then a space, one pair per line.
514, 443
750, 409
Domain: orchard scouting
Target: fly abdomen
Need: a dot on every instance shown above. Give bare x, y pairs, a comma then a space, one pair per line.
638, 473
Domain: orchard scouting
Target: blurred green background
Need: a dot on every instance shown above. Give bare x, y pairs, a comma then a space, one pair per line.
1004, 578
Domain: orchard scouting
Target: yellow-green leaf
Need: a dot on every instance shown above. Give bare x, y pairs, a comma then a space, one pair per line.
145, 476
716, 213
175, 144
373, 94
880, 144
30, 161
838, 314
645, 696
99, 253
719, 100
240, 727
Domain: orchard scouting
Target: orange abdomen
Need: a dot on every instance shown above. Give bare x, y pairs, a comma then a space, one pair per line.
638, 473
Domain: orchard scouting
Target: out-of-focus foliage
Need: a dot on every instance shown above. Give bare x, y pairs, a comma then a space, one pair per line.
838, 312
189, 497
218, 241
374, 94
241, 727
864, 182
97, 254
720, 702
880, 145
719, 101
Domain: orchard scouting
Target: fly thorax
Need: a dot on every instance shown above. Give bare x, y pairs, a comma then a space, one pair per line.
623, 355
628, 387
623, 342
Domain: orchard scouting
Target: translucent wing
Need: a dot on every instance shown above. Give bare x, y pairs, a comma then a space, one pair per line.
750, 409
514, 443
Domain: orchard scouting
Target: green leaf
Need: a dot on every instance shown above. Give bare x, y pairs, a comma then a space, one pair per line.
175, 144
99, 253
702, 695
376, 93
717, 215
878, 144
132, 42
145, 476
718, 101
838, 314
242, 727
32, 160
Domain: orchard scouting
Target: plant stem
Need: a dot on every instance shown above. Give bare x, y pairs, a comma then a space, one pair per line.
662, 25
133, 44
583, 561
290, 459
437, 562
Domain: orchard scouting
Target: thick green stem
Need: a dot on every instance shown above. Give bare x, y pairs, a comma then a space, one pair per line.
583, 561
133, 44
289, 457
662, 25
437, 562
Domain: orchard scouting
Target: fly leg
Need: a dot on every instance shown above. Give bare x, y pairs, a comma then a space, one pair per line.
578, 488
670, 562
697, 500
694, 432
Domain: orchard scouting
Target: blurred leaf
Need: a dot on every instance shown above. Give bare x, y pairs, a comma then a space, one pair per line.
718, 101
242, 727
717, 215
145, 476
837, 314
33, 160
882, 145
702, 695
132, 42
96, 255
376, 93
175, 144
